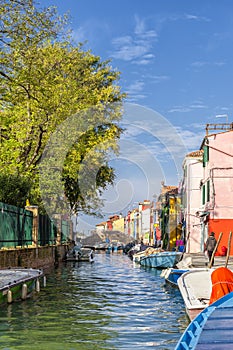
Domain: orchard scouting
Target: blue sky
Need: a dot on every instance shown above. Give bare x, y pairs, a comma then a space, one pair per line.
175, 59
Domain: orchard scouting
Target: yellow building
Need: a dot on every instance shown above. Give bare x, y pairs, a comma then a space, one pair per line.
118, 225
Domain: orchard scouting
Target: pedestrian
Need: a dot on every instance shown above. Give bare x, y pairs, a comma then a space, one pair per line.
210, 245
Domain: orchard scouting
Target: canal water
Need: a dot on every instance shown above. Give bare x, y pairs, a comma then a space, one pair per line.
110, 304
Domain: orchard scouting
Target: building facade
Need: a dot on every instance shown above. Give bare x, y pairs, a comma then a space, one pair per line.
190, 202
217, 186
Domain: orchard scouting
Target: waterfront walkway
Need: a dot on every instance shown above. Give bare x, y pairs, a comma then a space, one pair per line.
200, 260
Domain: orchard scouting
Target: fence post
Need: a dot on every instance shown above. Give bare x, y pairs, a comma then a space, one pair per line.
59, 228
34, 209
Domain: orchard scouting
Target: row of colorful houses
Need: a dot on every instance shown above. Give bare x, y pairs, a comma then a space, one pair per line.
138, 223
201, 203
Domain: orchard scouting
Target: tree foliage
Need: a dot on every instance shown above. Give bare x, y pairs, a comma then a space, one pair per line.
14, 189
45, 81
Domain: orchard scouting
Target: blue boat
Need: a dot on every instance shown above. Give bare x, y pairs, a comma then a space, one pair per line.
171, 276
211, 329
161, 260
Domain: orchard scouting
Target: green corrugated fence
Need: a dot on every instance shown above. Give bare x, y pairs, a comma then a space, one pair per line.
47, 230
15, 226
65, 230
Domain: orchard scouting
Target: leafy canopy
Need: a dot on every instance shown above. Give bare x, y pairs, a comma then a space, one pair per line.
51, 89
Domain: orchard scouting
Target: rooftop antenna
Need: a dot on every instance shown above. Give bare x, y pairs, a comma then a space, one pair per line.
223, 116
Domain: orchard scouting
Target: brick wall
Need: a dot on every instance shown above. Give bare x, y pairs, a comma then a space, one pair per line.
36, 257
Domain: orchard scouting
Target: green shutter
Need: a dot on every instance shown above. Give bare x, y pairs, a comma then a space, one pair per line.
203, 194
208, 191
205, 155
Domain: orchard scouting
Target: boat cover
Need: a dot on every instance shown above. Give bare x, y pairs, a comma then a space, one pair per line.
222, 283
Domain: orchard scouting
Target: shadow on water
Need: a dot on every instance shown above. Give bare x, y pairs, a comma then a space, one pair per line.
110, 304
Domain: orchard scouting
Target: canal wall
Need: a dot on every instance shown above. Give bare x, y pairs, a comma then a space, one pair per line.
33, 257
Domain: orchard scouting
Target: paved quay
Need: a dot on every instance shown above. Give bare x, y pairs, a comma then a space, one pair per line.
200, 260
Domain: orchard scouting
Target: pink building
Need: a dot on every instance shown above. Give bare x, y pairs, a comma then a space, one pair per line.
217, 184
207, 190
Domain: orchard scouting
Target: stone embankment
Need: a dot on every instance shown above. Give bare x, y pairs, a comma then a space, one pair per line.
35, 257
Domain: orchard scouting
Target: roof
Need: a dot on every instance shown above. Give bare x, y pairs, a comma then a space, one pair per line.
195, 154
101, 224
224, 128
166, 189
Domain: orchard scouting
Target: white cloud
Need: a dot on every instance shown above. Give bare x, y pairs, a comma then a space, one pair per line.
136, 47
140, 26
86, 33
129, 49
200, 64
183, 109
189, 16
180, 109
198, 105
134, 90
79, 35
159, 78
142, 62
192, 138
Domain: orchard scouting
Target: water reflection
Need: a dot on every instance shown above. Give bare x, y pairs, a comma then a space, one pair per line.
110, 304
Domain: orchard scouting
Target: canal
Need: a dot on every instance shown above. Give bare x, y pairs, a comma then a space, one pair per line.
110, 304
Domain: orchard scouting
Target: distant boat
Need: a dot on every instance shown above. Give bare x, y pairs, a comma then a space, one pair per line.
212, 328
18, 283
78, 253
115, 247
161, 259
195, 287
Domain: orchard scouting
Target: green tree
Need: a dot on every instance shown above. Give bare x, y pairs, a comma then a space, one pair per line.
48, 82
14, 190
91, 175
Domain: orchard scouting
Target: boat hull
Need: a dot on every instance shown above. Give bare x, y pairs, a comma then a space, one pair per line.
195, 287
171, 276
80, 254
161, 260
16, 284
212, 328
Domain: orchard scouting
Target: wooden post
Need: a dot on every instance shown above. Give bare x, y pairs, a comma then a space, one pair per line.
216, 247
35, 228
228, 249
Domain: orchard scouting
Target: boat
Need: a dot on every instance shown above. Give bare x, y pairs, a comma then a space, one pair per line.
134, 249
19, 283
79, 253
161, 259
144, 252
171, 275
195, 287
99, 246
117, 246
138, 256
212, 328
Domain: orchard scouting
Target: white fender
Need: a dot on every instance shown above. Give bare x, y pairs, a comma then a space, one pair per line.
24, 291
9, 296
37, 285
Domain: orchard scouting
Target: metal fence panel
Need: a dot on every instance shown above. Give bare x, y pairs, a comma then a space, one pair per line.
15, 226
47, 230
65, 231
